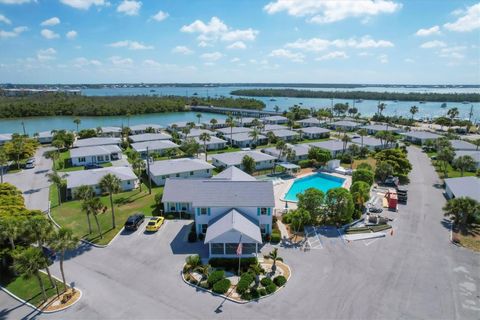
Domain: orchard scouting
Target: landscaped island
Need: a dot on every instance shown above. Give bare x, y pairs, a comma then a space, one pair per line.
366, 95
63, 105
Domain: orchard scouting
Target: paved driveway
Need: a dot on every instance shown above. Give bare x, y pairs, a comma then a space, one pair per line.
414, 274
33, 182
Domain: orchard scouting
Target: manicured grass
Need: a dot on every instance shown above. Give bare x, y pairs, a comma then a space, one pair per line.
28, 289
313, 140
69, 214
470, 240
228, 149
53, 196
451, 172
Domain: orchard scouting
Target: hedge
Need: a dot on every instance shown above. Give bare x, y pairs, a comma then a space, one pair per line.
221, 286
266, 282
262, 291
271, 288
254, 293
215, 276
244, 283
231, 264
279, 281
305, 163
275, 237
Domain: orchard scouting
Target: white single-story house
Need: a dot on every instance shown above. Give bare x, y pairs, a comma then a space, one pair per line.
286, 135
215, 143
5, 137
462, 145
420, 137
149, 137
345, 125
335, 147
75, 179
45, 137
463, 187
273, 127
372, 143
241, 213
228, 159
374, 128
185, 168
143, 128
221, 123
301, 152
474, 154
314, 132
233, 130
95, 154
115, 132
309, 122
244, 140
156, 146
92, 142
178, 126
245, 121
275, 120
196, 133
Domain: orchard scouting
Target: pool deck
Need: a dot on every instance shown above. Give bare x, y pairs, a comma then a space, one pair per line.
282, 188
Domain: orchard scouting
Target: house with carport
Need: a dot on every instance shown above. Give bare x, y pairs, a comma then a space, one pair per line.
229, 159
149, 137
145, 128
94, 155
183, 168
91, 142
275, 120
314, 132
156, 146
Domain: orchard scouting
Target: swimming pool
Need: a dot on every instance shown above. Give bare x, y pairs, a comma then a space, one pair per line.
320, 181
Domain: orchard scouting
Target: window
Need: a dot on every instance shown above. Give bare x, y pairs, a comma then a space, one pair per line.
204, 228
128, 182
249, 248
217, 248
191, 173
81, 159
177, 175
231, 248
172, 207
203, 211
263, 211
263, 228
99, 158
184, 207
208, 170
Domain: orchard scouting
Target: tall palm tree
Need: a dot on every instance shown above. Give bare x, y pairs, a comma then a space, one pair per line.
464, 163
28, 262
452, 114
274, 256
345, 139
186, 132
381, 106
111, 184
362, 133
10, 229
255, 122
85, 193
95, 207
62, 241
138, 165
57, 180
77, 121
270, 137
205, 137
460, 209
229, 122
413, 110
199, 116
213, 122
382, 135
254, 134
3, 163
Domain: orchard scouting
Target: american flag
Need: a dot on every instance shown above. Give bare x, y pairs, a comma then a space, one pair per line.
239, 249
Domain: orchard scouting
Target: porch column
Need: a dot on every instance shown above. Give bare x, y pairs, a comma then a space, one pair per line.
224, 249
256, 248
209, 249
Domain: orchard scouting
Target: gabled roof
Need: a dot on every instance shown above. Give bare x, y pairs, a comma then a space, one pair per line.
331, 145
226, 131
143, 127
234, 174
93, 177
219, 193
234, 222
89, 142
422, 135
310, 121
213, 139
154, 145
463, 145
150, 137
94, 151
165, 167
275, 118
464, 187
313, 130
235, 158
244, 136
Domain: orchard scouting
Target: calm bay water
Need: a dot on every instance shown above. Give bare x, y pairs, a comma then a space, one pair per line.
367, 107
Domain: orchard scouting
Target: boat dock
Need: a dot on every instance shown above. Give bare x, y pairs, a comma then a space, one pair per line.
235, 111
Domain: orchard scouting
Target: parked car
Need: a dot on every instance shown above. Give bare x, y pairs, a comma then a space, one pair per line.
154, 224
30, 164
134, 221
92, 166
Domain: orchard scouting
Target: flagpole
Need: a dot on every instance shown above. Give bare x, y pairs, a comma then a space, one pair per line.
240, 255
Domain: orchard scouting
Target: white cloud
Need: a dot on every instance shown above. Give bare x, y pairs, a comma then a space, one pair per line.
12, 34
46, 54
469, 20
212, 56
317, 44
182, 50
84, 4
428, 32
216, 29
204, 44
129, 7
409, 60
456, 52
383, 58
132, 45
284, 53
14, 1
235, 60
364, 54
84, 62
432, 44
160, 16
51, 22
72, 34
49, 34
327, 11
237, 45
333, 55
120, 62
5, 19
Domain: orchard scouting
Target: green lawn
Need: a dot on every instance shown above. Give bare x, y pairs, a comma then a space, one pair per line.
28, 289
451, 172
69, 214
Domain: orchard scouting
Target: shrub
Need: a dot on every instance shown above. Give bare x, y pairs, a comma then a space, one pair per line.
221, 286
231, 264
214, 277
305, 163
254, 293
193, 260
244, 283
271, 288
266, 282
192, 236
280, 281
169, 217
287, 218
362, 175
262, 292
204, 284
246, 296
365, 165
275, 237
346, 159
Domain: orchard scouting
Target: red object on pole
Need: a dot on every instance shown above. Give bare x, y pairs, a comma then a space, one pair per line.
391, 232
239, 249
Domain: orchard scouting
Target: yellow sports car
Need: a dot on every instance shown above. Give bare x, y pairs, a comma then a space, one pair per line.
154, 224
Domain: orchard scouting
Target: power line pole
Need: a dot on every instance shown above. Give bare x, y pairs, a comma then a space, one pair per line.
148, 173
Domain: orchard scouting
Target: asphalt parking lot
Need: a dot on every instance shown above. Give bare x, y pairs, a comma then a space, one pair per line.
416, 273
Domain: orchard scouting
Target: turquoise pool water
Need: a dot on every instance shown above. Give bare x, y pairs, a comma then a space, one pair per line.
320, 181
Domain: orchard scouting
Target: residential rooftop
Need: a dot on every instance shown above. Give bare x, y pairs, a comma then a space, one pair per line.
464, 187
172, 166
313, 130
233, 221
89, 142
381, 127
310, 121
300, 150
143, 127
213, 139
226, 131
244, 136
422, 135
94, 151
273, 127
235, 158
345, 123
463, 145
275, 118
154, 145
331, 145
93, 177
234, 174
150, 137
285, 133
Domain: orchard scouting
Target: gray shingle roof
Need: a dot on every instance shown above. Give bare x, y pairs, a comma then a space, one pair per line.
235, 158
213, 140
154, 145
246, 120
474, 154
244, 136
93, 177
380, 127
150, 137
219, 193
96, 142
344, 123
273, 127
143, 127
165, 167
111, 129
284, 133
234, 174
463, 145
234, 221
368, 141
331, 145
310, 121
226, 131
197, 132
422, 135
300, 150
464, 187
314, 130
275, 118
94, 151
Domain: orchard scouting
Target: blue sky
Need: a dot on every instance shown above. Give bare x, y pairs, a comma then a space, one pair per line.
315, 41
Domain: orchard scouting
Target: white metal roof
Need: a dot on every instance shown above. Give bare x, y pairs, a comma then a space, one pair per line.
233, 221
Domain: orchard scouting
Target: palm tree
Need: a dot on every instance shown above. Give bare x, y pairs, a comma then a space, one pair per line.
460, 210
276, 108
475, 142
199, 116
205, 137
28, 262
248, 164
54, 155
256, 269
413, 110
463, 163
77, 121
9, 229
57, 180
382, 135
213, 122
62, 241
256, 122
274, 256
85, 193
345, 139
3, 163
381, 106
254, 134
452, 114
95, 207
229, 122
362, 133
271, 137
138, 165
203, 270
111, 184
186, 132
